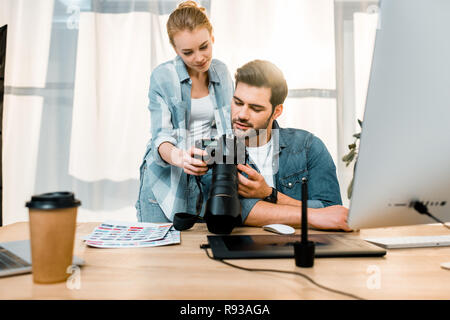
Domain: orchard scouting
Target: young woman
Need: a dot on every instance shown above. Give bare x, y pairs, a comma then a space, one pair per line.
189, 99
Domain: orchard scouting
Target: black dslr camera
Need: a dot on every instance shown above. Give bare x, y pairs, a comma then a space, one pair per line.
223, 209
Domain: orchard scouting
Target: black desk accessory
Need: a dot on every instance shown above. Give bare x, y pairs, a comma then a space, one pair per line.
304, 250
265, 246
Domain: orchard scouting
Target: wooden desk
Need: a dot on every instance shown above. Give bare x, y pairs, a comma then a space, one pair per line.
185, 272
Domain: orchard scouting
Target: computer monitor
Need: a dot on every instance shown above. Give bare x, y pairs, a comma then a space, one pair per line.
405, 142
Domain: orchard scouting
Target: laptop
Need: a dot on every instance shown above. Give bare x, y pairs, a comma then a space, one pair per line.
281, 246
15, 258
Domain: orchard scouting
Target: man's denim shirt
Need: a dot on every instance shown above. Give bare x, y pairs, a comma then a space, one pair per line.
170, 109
297, 154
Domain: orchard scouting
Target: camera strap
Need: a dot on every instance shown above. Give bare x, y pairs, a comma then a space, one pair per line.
183, 220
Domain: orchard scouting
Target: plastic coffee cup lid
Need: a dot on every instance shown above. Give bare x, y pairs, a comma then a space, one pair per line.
53, 200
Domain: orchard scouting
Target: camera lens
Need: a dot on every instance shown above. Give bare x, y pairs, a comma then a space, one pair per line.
223, 208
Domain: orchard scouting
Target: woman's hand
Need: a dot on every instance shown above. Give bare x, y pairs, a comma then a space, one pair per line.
184, 159
193, 166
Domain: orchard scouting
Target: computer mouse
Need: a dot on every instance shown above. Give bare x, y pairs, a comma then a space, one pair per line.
279, 228
445, 265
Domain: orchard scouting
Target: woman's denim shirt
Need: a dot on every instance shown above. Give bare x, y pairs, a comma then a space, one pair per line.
170, 109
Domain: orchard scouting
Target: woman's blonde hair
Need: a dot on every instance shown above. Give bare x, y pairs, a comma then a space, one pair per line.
187, 16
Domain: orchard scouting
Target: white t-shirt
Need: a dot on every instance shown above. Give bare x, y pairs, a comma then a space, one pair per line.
262, 157
202, 115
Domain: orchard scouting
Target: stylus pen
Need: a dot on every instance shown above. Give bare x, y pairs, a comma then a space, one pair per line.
304, 226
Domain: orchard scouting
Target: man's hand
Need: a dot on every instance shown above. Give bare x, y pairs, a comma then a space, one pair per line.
329, 218
254, 186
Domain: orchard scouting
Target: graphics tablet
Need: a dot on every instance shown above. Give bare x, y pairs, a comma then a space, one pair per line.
281, 246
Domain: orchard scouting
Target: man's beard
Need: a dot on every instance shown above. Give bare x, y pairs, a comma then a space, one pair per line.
251, 133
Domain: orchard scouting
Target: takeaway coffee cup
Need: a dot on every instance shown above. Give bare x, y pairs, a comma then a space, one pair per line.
52, 233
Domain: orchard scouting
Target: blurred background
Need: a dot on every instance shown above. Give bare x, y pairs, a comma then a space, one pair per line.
74, 79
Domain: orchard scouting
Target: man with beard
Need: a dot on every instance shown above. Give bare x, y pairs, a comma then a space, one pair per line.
270, 185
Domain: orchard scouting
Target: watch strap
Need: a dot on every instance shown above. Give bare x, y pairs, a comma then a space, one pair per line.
273, 197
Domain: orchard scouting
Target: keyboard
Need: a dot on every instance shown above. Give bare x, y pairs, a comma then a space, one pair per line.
411, 242
9, 260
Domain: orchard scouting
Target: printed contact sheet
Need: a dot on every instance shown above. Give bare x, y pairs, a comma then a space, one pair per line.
112, 234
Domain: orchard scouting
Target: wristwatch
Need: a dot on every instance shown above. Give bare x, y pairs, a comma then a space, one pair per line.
272, 197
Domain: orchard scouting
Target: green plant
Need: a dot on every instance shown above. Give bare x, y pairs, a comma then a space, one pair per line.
352, 156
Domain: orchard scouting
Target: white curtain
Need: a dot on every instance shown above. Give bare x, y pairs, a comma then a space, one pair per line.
29, 24
75, 108
365, 25
356, 23
110, 124
77, 76
298, 36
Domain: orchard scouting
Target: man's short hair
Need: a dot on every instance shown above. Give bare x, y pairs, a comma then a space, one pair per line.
264, 74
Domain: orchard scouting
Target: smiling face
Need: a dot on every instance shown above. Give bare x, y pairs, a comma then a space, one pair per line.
252, 113
194, 48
